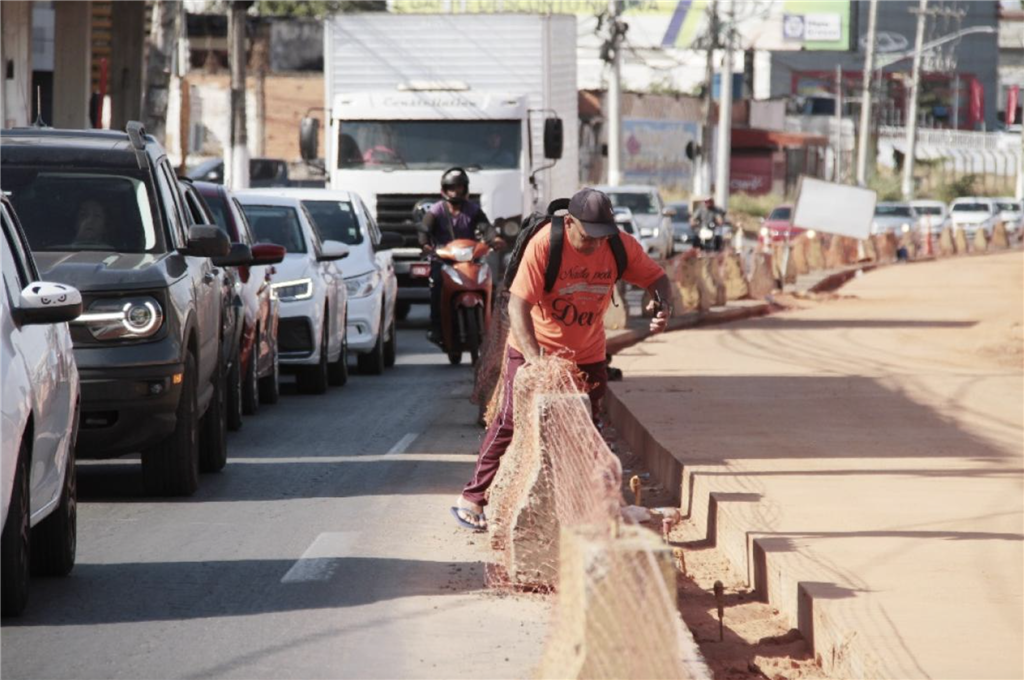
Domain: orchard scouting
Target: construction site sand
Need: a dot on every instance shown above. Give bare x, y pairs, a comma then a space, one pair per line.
868, 445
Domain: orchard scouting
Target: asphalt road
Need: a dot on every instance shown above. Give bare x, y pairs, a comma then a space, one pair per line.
324, 550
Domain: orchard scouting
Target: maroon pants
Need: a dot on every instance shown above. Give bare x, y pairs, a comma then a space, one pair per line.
499, 434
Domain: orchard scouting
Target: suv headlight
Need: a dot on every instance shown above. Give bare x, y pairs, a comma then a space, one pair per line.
649, 232
289, 291
361, 286
119, 318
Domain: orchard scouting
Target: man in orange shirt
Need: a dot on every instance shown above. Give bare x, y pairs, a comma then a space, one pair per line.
568, 318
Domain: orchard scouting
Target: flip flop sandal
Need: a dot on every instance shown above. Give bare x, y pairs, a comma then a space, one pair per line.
480, 519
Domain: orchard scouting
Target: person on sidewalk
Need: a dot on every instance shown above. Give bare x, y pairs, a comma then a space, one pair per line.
566, 319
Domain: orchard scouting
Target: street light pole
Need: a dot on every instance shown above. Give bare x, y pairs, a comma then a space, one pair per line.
865, 100
614, 99
838, 174
703, 172
236, 172
915, 86
723, 153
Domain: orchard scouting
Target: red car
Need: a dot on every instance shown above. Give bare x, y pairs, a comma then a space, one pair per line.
255, 380
778, 226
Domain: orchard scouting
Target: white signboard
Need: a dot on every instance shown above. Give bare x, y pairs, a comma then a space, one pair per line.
834, 208
812, 27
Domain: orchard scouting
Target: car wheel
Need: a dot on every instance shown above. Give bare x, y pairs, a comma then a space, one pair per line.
250, 385
337, 372
391, 346
372, 363
213, 442
313, 379
54, 540
402, 309
270, 385
171, 468
235, 401
15, 543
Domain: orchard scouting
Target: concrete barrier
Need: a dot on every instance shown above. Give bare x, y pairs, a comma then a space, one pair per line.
778, 258
947, 244
1000, 239
815, 254
960, 242
798, 255
732, 278
762, 279
980, 243
712, 293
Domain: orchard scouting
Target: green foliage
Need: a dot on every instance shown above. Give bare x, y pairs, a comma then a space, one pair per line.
964, 185
886, 185
754, 205
315, 9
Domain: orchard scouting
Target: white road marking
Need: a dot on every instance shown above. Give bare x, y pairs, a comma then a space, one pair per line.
403, 443
322, 557
323, 460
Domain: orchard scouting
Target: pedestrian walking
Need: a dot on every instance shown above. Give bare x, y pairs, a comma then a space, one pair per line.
557, 303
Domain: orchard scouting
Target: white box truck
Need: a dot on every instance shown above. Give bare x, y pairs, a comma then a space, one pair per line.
409, 96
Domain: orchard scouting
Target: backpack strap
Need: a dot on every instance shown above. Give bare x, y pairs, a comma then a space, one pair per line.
555, 254
619, 251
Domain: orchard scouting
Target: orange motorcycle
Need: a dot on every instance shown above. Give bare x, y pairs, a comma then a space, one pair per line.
466, 289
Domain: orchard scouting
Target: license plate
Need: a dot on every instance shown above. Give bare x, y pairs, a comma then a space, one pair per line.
420, 271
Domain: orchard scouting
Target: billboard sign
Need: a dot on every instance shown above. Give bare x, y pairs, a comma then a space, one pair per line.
654, 152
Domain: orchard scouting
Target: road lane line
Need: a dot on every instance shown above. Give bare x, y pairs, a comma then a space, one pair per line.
322, 558
403, 443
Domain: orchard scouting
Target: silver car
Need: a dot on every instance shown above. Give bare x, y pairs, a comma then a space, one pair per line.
652, 219
895, 218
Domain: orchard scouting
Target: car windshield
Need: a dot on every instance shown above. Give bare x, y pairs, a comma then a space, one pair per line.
219, 208
276, 224
928, 209
971, 207
639, 203
1009, 207
682, 213
335, 221
781, 214
429, 144
76, 210
893, 211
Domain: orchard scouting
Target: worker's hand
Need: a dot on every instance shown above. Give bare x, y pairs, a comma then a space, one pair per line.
659, 323
427, 248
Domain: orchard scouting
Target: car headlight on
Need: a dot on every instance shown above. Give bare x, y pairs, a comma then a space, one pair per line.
764, 231
649, 232
361, 286
452, 274
905, 227
485, 271
123, 318
290, 291
811, 233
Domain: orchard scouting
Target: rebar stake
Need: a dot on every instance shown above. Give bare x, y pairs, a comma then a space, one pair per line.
680, 559
720, 599
634, 486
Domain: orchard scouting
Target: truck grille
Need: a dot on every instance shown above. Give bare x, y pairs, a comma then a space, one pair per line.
394, 213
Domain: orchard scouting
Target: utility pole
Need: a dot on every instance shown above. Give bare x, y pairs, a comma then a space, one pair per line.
236, 166
723, 153
614, 116
915, 86
864, 132
702, 184
839, 125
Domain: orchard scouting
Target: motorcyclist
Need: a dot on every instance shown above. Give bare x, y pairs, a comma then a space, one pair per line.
453, 217
707, 216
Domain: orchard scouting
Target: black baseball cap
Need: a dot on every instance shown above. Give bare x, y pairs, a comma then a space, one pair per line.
593, 209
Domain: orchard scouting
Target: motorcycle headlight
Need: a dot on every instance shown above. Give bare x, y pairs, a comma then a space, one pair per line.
290, 291
462, 254
361, 286
121, 318
452, 274
485, 271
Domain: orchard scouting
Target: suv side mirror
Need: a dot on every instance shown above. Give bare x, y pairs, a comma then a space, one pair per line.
240, 255
333, 250
206, 240
268, 253
669, 212
553, 138
45, 302
309, 138
389, 240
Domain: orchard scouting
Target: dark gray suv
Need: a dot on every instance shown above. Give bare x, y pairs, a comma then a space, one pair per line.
104, 213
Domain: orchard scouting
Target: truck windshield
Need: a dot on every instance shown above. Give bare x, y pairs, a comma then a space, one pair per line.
103, 210
429, 144
276, 224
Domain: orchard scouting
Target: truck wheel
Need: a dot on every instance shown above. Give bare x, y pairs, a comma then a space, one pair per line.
402, 309
171, 468
391, 346
55, 538
372, 363
250, 385
15, 543
235, 401
270, 386
213, 441
313, 379
337, 372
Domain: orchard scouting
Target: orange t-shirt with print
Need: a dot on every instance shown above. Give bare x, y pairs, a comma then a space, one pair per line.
571, 316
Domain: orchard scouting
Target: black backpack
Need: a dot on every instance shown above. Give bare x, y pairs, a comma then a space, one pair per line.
533, 223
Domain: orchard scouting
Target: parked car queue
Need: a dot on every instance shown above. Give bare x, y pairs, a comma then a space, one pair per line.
145, 313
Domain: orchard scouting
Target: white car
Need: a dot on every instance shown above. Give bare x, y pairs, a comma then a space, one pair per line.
931, 215
309, 283
369, 272
40, 410
624, 219
650, 216
893, 217
1010, 212
971, 213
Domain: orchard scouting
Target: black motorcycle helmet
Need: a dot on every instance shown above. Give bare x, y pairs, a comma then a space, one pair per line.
455, 179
